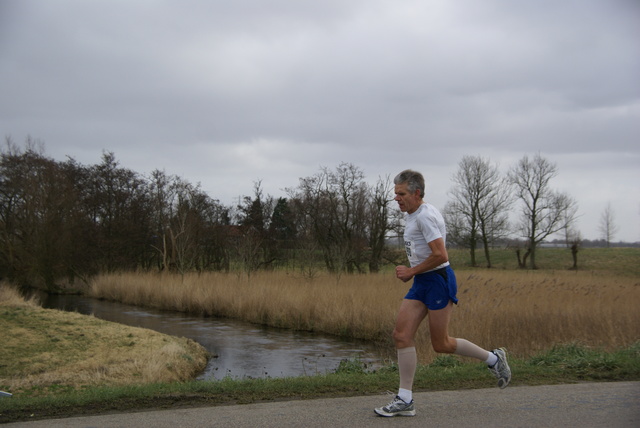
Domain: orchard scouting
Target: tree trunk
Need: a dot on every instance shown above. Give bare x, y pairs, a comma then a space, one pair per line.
574, 254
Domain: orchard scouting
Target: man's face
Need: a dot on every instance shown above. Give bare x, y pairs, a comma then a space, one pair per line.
407, 202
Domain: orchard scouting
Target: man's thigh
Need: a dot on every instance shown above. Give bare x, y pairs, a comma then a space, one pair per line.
410, 315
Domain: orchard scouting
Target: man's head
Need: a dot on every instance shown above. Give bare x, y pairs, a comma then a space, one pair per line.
414, 180
409, 190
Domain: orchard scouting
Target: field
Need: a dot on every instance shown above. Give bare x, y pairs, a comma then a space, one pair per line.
526, 311
559, 326
622, 261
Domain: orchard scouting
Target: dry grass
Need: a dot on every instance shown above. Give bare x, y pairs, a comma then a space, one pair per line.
351, 307
524, 311
9, 296
44, 349
533, 310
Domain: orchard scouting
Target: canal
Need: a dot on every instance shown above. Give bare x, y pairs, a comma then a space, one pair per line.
240, 349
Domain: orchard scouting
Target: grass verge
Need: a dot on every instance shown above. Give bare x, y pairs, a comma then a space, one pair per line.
562, 364
49, 352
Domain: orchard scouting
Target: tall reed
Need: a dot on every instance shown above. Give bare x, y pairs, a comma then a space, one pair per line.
525, 311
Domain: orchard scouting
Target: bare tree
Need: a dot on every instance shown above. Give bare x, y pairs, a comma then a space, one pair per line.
332, 207
254, 216
544, 211
479, 209
575, 247
184, 228
38, 218
117, 205
186, 225
161, 198
607, 227
571, 234
379, 221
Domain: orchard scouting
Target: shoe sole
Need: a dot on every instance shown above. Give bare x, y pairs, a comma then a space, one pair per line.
380, 412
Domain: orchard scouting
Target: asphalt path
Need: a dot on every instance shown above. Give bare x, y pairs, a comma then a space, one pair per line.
583, 405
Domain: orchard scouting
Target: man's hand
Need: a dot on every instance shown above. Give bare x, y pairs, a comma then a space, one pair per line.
403, 273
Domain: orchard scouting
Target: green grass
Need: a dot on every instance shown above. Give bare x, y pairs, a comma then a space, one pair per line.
562, 364
621, 261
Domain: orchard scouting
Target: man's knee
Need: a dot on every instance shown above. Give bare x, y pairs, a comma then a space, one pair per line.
446, 346
401, 339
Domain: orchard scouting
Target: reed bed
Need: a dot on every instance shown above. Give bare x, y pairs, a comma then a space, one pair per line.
526, 311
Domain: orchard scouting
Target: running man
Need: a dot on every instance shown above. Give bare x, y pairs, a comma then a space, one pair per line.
432, 294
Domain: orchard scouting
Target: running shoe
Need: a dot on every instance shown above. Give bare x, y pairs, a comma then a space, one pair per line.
397, 407
501, 369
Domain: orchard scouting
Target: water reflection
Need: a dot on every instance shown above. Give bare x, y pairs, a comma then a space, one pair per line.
242, 349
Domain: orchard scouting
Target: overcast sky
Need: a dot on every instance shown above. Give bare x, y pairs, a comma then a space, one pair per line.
230, 92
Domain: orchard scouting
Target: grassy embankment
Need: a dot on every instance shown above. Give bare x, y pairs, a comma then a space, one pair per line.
559, 326
54, 353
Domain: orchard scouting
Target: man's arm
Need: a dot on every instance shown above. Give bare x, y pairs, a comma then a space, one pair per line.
438, 256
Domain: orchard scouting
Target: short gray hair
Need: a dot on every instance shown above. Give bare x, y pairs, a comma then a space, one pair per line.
414, 180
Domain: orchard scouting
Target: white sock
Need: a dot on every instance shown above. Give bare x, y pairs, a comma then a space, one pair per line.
407, 363
405, 395
492, 359
468, 349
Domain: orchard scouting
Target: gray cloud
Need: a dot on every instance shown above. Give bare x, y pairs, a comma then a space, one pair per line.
227, 93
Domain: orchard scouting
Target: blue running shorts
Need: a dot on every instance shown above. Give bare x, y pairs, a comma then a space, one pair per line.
434, 288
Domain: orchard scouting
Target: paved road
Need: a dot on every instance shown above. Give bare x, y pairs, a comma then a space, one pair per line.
580, 405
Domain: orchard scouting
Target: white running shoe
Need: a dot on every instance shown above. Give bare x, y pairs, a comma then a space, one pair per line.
397, 407
501, 369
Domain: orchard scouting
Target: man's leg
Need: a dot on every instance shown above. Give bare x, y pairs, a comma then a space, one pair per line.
439, 330
410, 315
407, 364
443, 343
468, 349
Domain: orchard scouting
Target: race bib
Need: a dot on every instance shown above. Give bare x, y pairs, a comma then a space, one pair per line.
408, 246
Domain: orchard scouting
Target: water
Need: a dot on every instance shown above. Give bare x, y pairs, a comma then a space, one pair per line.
242, 349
